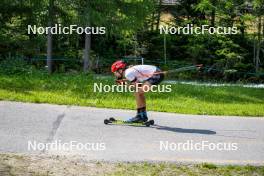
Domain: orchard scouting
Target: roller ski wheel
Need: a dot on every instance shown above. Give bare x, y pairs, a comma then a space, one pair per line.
106, 121
149, 123
112, 119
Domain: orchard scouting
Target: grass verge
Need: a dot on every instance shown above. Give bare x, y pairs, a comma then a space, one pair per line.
40, 165
76, 89
169, 169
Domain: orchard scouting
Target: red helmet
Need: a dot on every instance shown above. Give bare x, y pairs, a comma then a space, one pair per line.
118, 65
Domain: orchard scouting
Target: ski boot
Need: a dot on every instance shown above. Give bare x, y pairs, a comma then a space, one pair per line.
139, 118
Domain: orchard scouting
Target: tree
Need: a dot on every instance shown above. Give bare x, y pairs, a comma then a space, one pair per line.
49, 36
208, 7
119, 17
259, 9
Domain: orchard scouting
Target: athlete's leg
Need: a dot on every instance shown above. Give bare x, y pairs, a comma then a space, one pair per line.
141, 103
140, 98
140, 95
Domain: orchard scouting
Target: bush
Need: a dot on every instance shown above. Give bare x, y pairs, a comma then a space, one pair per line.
15, 65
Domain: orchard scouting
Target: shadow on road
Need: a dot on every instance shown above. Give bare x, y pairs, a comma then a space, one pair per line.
184, 130
174, 129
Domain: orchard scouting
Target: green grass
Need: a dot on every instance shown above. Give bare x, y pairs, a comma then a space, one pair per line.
76, 89
147, 169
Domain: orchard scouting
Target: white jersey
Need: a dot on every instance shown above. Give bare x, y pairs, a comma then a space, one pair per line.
140, 73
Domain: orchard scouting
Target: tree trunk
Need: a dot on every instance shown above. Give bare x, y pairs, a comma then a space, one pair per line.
254, 49
152, 21
87, 47
242, 28
159, 13
49, 53
213, 18
49, 37
165, 49
257, 60
263, 27
86, 55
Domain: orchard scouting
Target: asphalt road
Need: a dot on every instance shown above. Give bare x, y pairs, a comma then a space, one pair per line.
79, 131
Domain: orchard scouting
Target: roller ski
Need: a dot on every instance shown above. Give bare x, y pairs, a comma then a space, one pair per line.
130, 122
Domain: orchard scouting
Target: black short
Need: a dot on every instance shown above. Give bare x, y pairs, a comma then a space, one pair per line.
156, 78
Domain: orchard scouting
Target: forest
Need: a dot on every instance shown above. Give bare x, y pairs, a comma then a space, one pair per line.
131, 30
